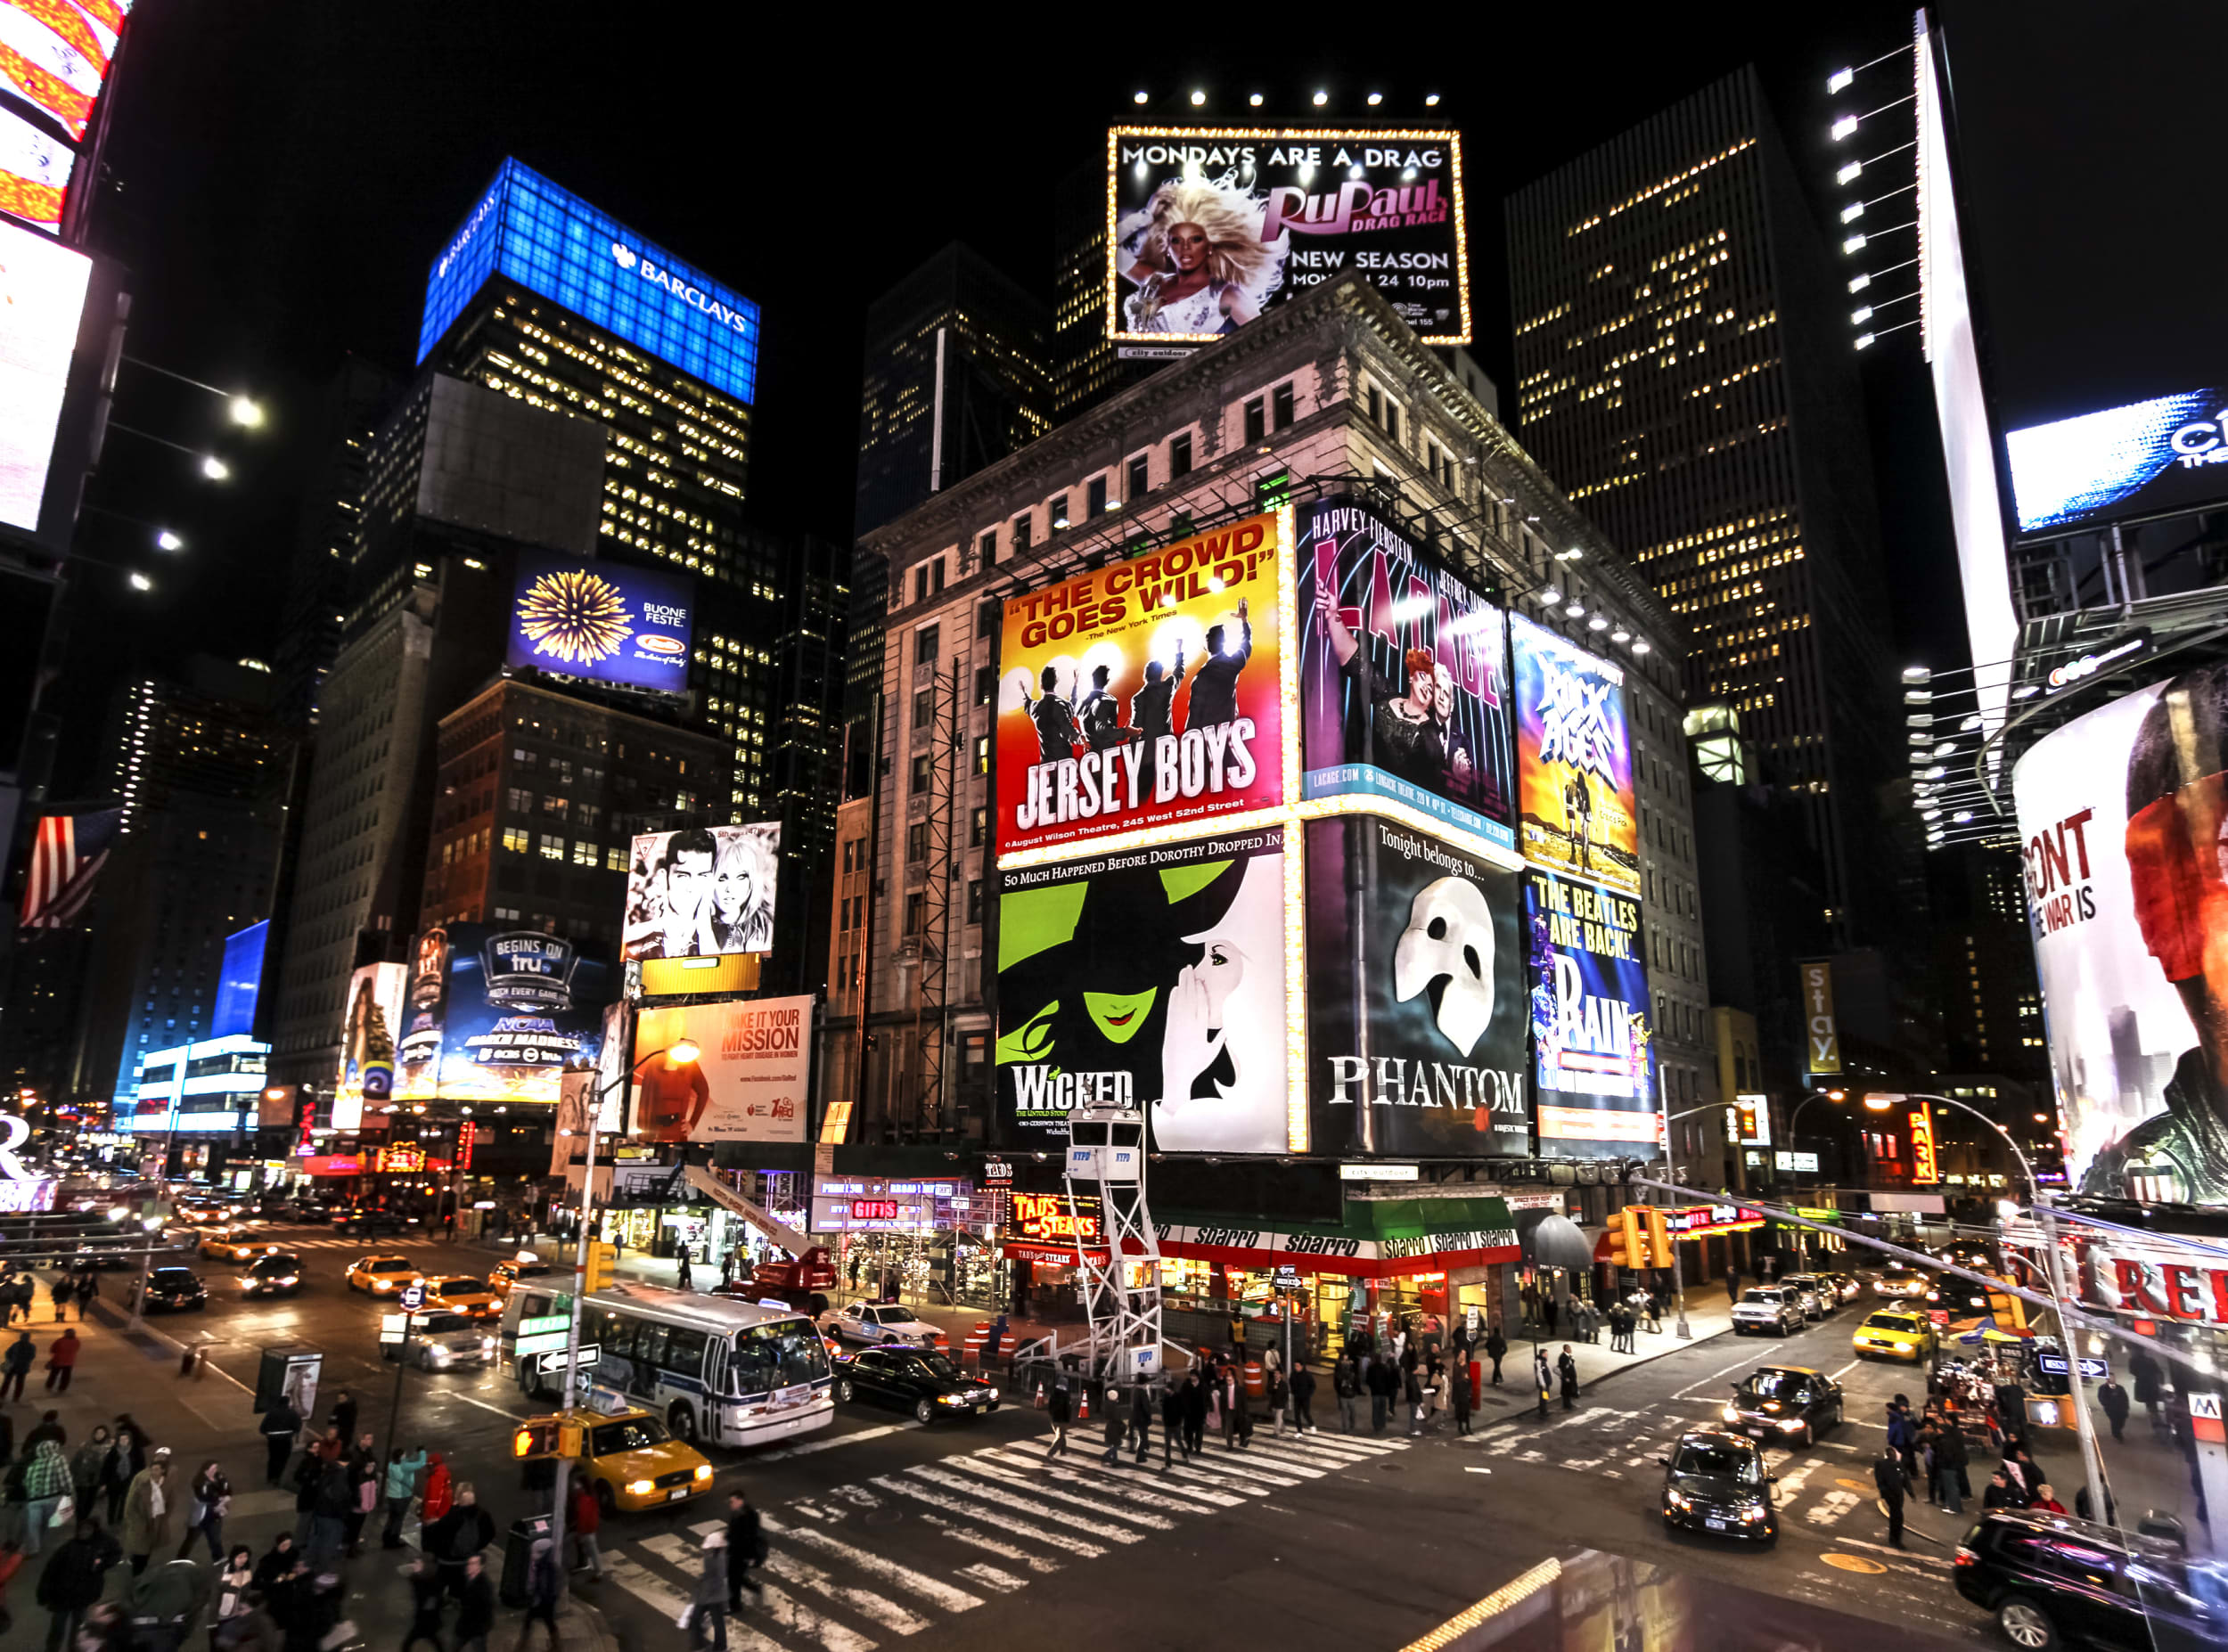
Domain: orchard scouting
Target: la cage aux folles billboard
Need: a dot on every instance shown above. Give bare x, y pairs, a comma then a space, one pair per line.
1146, 694
1416, 996
1208, 227
1152, 980
2122, 814
1575, 808
1404, 675
503, 1013
604, 621
1591, 1043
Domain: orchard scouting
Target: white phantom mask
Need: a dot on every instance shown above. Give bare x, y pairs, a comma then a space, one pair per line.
1449, 934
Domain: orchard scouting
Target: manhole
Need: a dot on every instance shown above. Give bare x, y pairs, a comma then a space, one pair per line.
1855, 1563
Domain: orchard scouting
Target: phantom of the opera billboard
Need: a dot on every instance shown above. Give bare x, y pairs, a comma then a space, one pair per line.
702, 893
1591, 1039
1146, 694
1209, 227
2122, 815
1404, 675
499, 1015
1577, 811
1152, 979
1416, 996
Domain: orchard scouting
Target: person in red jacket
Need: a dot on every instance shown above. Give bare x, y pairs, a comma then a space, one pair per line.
61, 1359
2047, 1501
584, 1517
437, 1495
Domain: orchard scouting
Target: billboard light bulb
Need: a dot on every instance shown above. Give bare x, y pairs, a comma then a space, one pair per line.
1551, 596
1255, 100
1843, 127
1138, 97
1620, 635
1962, 816
1597, 623
1321, 98
214, 468
1936, 772
685, 1051
1197, 99
1853, 244
1860, 315
1375, 98
1430, 99
1641, 647
165, 540
246, 413
1858, 282
1574, 609
1850, 173
1852, 212
139, 582
1863, 340
1840, 81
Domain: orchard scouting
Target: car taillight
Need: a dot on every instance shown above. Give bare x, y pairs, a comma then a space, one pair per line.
1965, 1557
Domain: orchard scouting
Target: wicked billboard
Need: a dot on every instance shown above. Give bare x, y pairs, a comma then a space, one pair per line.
1577, 811
1404, 675
1145, 694
1416, 996
1589, 1012
1150, 979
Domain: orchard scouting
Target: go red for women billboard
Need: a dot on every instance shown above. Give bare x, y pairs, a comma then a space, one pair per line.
2123, 817
1145, 694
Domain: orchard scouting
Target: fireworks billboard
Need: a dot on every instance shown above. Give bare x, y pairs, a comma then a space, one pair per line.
2121, 816
704, 893
498, 1015
1208, 227
1591, 1038
1147, 693
751, 1080
1416, 996
1404, 675
1575, 808
602, 620
1150, 980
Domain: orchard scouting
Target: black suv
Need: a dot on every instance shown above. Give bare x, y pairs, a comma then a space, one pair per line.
2054, 1581
1716, 1482
1785, 1404
279, 1274
171, 1287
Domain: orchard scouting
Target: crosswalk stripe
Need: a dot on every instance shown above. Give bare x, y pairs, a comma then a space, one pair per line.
1044, 1511
1350, 1445
991, 1516
990, 1577
782, 1612
1163, 1479
897, 1619
1285, 1462
1040, 1564
1001, 1475
1236, 1479
1128, 1482
661, 1596
928, 1588
1332, 1461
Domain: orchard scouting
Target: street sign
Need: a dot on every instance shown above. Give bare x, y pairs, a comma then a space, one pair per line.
1287, 1277
1145, 1361
2054, 1365
412, 1298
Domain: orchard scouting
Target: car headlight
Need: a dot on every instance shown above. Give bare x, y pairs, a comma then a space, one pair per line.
994, 1394
292, 1279
1903, 1347
1731, 1413
1791, 1425
1753, 1512
951, 1399
703, 1471
1676, 1498
487, 1345
640, 1488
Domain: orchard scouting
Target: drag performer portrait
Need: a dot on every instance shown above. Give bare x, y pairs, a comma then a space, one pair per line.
1196, 255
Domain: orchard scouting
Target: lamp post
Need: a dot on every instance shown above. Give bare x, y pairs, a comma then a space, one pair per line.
1682, 1330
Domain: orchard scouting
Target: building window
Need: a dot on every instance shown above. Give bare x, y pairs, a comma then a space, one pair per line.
920, 774
1139, 477
1256, 420
985, 684
589, 816
1020, 533
974, 900
553, 847
916, 843
916, 912
924, 707
1094, 496
986, 548
920, 583
615, 859
1179, 455
1281, 405
987, 617
849, 844
979, 827
982, 754
1056, 512
584, 853
515, 839
519, 800
925, 644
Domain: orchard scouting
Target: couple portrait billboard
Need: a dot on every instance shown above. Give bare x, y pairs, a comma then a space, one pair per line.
1577, 811
703, 893
2123, 821
1404, 675
1144, 693
1208, 227
1150, 979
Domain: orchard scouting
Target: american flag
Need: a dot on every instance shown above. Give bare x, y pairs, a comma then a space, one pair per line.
65, 856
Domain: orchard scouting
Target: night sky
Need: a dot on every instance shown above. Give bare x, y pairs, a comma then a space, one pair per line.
287, 172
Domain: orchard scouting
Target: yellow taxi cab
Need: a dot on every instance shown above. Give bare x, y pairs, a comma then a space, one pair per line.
508, 1273
460, 1292
238, 1243
382, 1276
1896, 1334
633, 1462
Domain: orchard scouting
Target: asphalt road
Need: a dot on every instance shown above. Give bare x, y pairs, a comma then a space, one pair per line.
884, 1531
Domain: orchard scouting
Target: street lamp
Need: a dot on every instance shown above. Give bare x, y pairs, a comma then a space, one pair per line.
1678, 1276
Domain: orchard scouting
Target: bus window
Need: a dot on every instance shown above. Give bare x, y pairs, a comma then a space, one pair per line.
615, 1335
778, 1354
685, 1352
649, 1345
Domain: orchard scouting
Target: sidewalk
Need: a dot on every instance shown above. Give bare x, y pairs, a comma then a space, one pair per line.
1705, 1318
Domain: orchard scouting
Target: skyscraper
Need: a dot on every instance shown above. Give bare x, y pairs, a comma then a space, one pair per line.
1683, 370
954, 380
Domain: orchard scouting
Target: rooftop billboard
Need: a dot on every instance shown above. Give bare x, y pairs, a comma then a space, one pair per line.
708, 891
551, 241
604, 621
1207, 227
2146, 459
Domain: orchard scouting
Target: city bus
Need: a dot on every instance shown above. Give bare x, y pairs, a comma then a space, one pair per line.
719, 1371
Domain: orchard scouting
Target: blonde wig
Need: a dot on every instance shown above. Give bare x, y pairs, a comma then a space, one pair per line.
1236, 256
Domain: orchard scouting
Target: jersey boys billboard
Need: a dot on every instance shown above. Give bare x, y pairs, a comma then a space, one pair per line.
1404, 676
1209, 227
1591, 1042
1146, 694
1577, 811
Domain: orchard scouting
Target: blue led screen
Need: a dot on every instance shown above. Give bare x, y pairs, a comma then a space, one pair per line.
551, 241
241, 982
2151, 458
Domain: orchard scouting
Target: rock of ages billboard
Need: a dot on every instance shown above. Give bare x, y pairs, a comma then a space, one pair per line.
1591, 1039
1574, 760
1145, 694
1416, 996
1152, 979
2124, 829
1404, 675
1211, 227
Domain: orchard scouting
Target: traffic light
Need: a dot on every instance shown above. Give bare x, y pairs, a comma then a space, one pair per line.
1658, 1237
1628, 1243
603, 1264
534, 1439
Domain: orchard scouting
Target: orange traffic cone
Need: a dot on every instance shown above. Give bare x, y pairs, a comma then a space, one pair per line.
1083, 1406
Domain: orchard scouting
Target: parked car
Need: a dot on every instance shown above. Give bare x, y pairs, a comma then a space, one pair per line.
170, 1288
1895, 1334
1768, 1308
920, 1380
2051, 1581
1785, 1404
1714, 1481
867, 1323
276, 1275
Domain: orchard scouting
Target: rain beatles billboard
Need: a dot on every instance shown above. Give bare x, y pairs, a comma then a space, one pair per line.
1591, 1043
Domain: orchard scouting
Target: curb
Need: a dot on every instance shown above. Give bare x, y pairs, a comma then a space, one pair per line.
1528, 1413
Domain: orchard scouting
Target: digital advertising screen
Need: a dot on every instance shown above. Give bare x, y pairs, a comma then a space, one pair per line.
1209, 226
2146, 459
2122, 814
371, 1037
551, 241
55, 55
604, 621
1592, 1043
751, 1080
707, 892
42, 295
1416, 996
240, 983
35, 169
1145, 694
1404, 675
1576, 811
1152, 979
509, 1012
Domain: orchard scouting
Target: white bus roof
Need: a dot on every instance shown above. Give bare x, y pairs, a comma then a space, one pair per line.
688, 1307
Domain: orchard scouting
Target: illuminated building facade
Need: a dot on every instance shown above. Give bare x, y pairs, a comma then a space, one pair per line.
1684, 369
